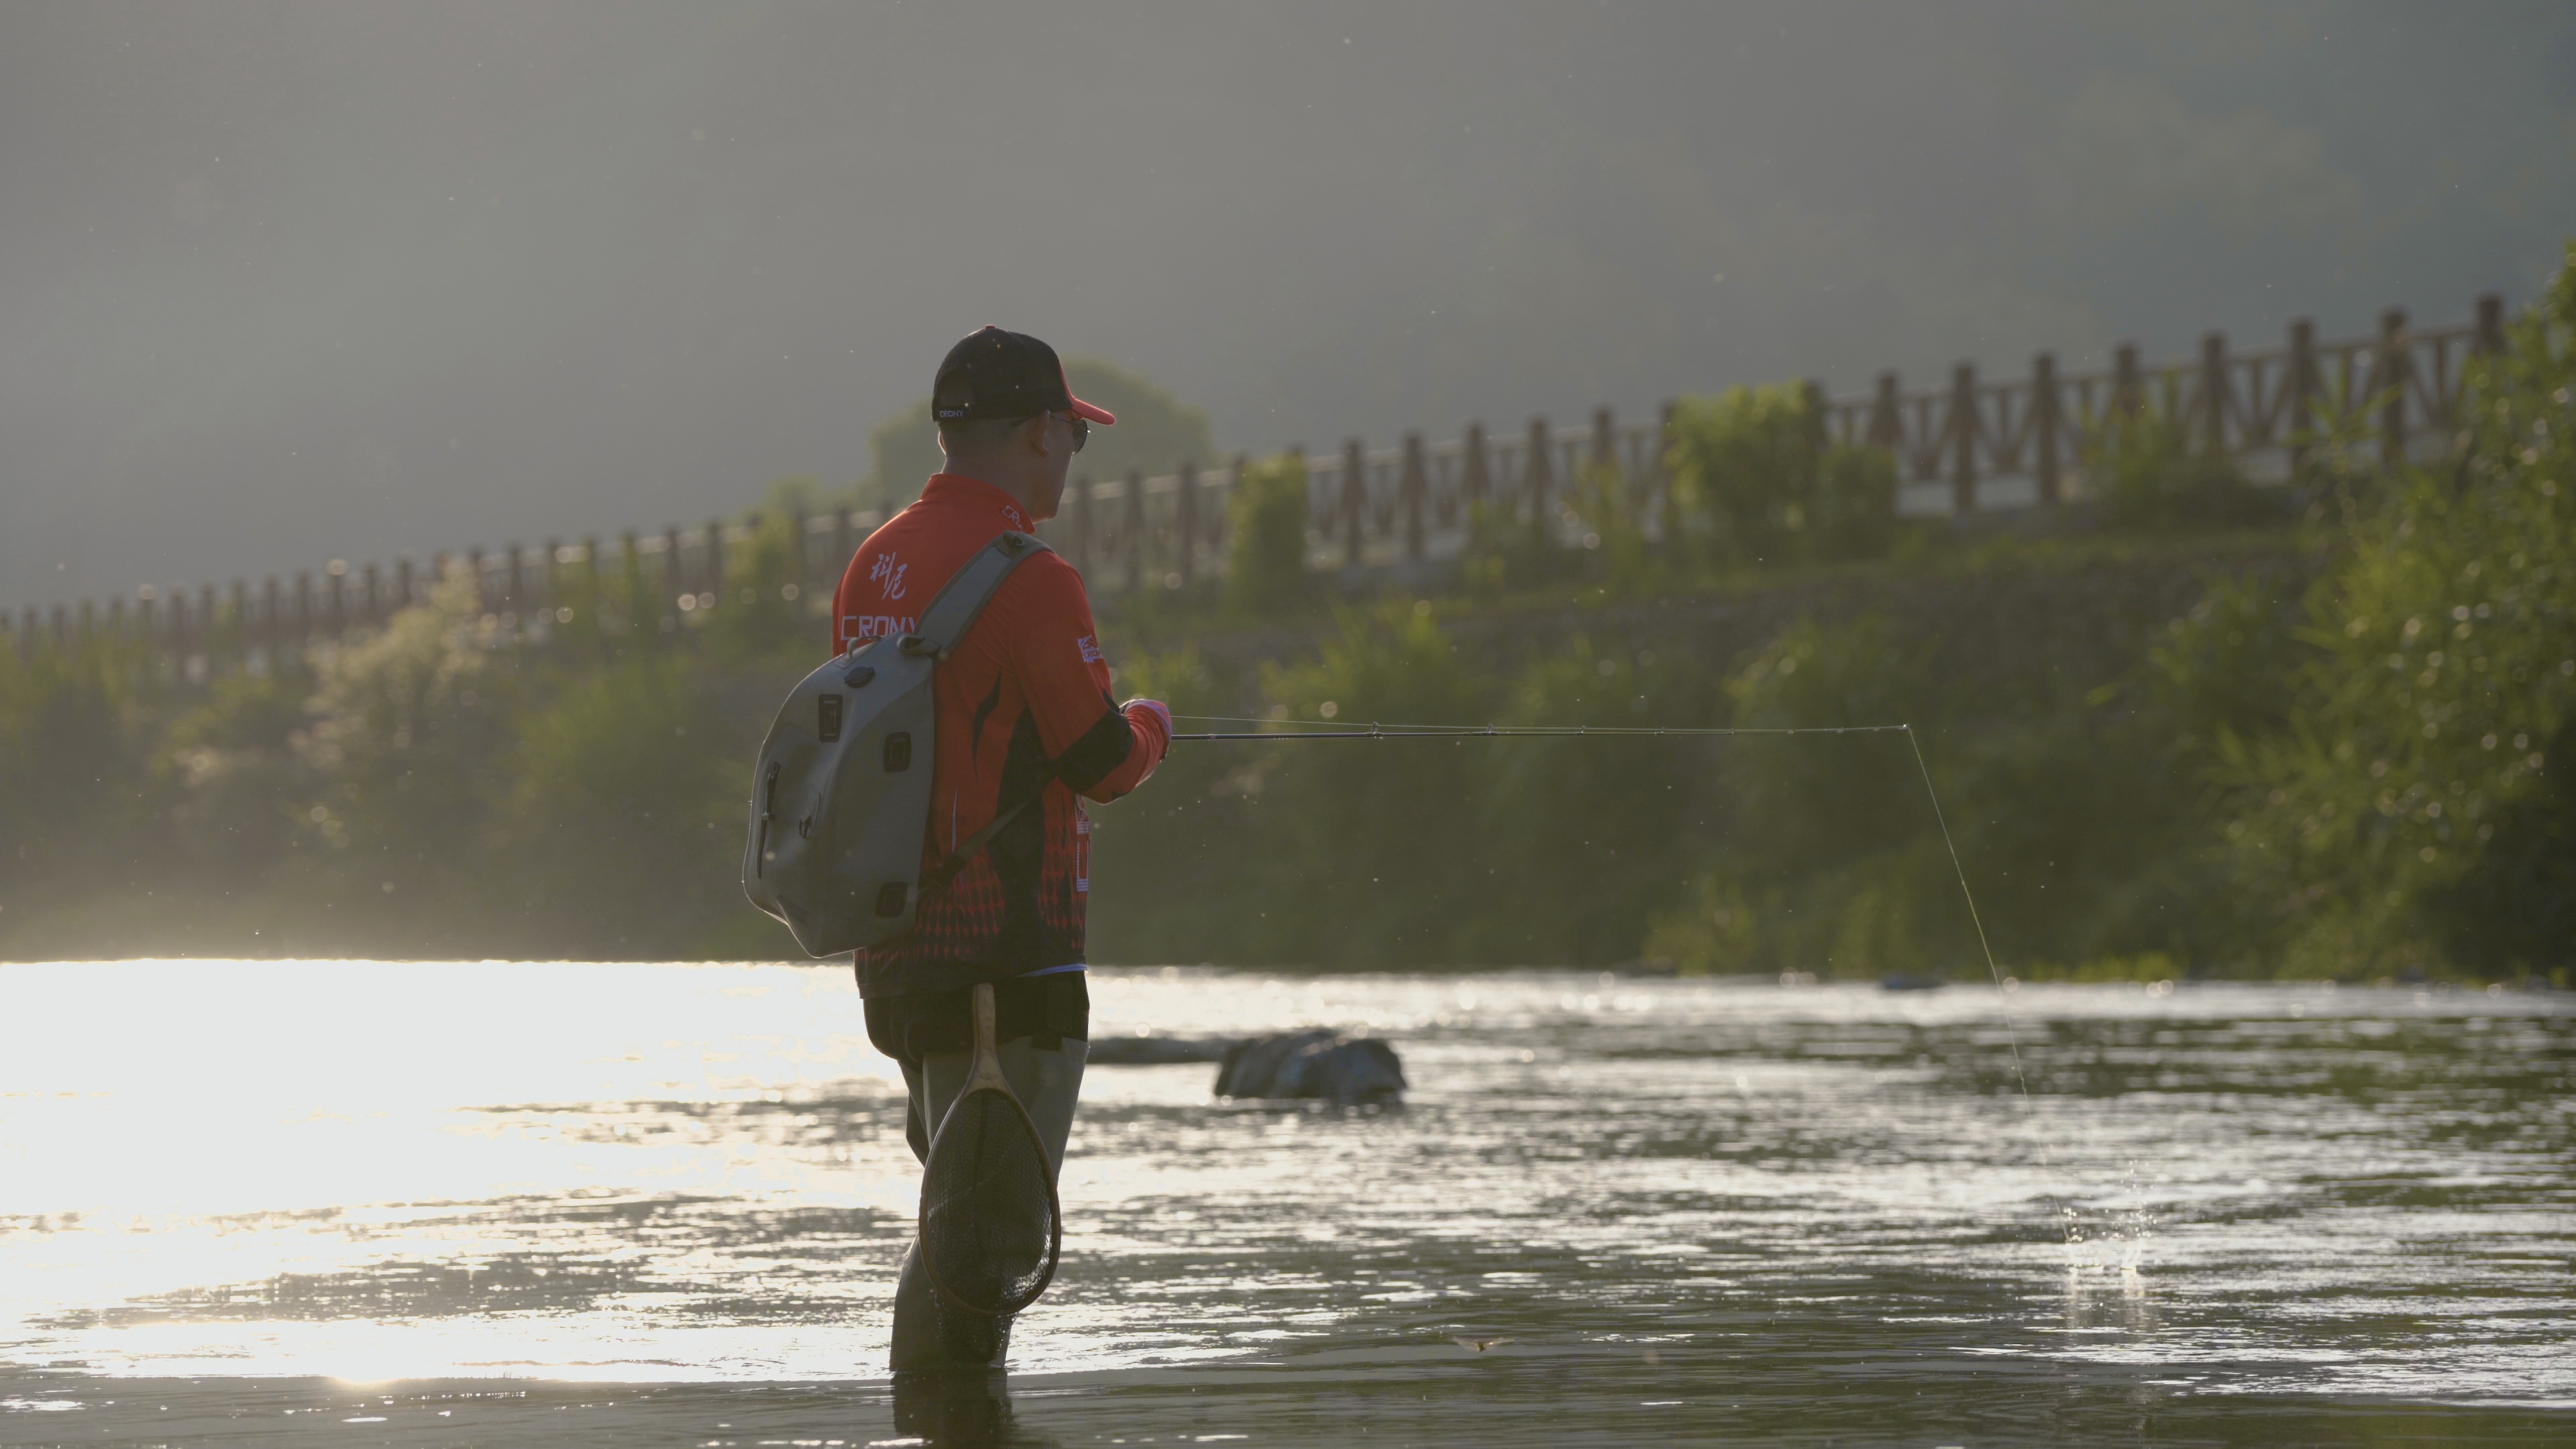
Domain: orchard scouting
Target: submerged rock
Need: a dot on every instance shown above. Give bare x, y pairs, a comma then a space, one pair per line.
1320, 1064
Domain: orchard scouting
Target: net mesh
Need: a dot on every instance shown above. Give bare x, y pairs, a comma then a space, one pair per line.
988, 1211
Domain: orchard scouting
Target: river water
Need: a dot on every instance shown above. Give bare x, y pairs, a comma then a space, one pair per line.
252, 1203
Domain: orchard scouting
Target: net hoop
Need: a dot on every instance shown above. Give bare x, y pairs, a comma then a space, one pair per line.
1055, 1216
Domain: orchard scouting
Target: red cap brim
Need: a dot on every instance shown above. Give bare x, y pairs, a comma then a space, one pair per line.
1086, 411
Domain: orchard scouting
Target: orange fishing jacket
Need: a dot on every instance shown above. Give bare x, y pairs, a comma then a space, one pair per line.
1023, 707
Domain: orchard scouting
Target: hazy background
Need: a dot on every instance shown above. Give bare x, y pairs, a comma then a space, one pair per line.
283, 282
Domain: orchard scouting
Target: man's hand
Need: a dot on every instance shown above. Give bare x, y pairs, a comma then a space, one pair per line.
1155, 707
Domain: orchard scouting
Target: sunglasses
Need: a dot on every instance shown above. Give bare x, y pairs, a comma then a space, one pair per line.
1081, 429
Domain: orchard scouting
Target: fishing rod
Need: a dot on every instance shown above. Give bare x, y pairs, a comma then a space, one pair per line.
1378, 731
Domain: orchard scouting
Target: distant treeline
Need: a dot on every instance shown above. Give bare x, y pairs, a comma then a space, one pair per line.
2332, 759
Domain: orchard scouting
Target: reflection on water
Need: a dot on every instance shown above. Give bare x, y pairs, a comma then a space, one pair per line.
646, 1204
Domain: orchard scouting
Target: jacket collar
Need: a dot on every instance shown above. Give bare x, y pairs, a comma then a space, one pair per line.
955, 490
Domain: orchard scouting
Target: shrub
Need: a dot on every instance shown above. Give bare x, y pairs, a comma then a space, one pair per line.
1266, 523
1743, 467
1855, 508
408, 731
1755, 482
2148, 476
621, 824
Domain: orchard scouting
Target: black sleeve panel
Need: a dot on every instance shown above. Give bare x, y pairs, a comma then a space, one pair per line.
1102, 748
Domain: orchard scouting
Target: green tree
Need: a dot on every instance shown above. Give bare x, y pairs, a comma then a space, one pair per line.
2402, 809
1755, 482
620, 826
405, 745
1266, 533
1155, 433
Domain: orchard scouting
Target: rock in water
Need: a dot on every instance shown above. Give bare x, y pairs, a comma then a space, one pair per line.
1319, 1063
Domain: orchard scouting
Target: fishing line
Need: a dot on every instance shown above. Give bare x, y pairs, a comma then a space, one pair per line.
1315, 730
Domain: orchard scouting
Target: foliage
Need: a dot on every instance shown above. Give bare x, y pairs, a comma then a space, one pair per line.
406, 733
1742, 465
1154, 434
1266, 532
618, 829
69, 725
2395, 807
2149, 476
1755, 482
764, 608
1855, 503
2348, 777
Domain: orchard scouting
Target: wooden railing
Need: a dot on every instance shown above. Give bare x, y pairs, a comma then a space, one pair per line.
1962, 448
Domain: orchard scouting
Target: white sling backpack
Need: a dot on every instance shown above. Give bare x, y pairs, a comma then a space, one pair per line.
840, 796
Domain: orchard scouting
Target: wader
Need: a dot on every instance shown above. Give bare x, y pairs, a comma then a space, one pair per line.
1041, 1042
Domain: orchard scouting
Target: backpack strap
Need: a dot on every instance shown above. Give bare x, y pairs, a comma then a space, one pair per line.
961, 602
943, 628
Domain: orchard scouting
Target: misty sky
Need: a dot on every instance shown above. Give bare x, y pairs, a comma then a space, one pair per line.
284, 282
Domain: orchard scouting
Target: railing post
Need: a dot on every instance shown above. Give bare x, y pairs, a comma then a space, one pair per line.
1963, 438
241, 621
2213, 392
1297, 460
1411, 492
2390, 376
1811, 395
403, 584
1185, 523
593, 591
1353, 507
2297, 415
303, 607
1659, 491
1220, 521
1131, 529
1475, 473
630, 562
1081, 524
2043, 427
371, 596
272, 632
550, 577
334, 595
2128, 390
716, 574
675, 577
1538, 480
474, 567
205, 610
1887, 416
2490, 334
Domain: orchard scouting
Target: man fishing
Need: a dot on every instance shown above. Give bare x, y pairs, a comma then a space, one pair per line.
1023, 710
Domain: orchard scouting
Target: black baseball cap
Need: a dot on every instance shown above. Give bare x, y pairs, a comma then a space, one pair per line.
998, 374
